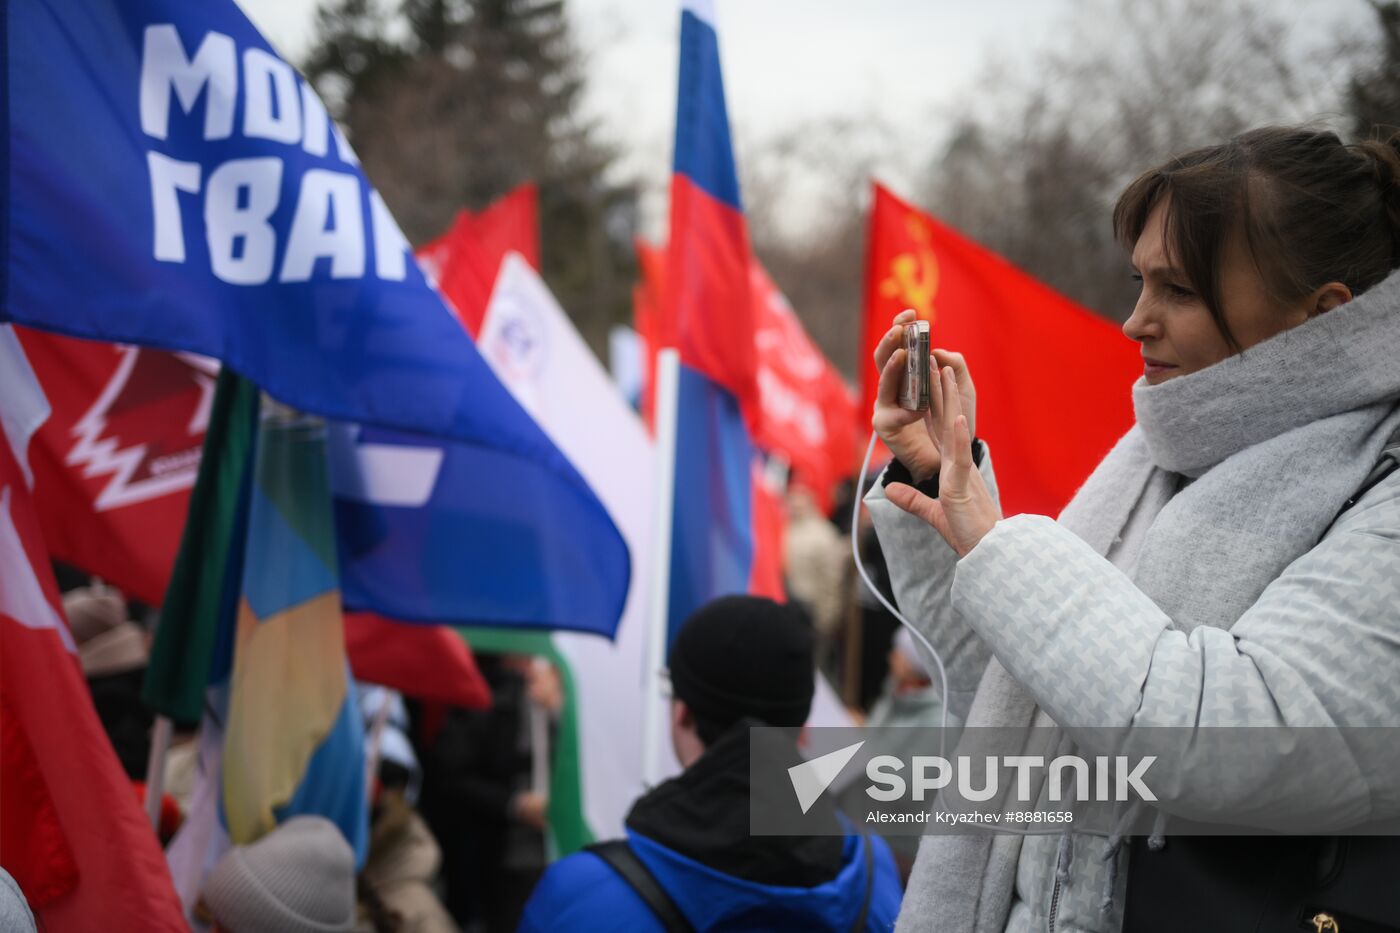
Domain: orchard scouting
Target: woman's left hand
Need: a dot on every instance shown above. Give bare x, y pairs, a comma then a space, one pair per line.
964, 511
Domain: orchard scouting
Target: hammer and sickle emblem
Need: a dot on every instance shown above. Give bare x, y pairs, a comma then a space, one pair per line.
913, 276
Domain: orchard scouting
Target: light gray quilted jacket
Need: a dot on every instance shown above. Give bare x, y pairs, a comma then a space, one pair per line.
1321, 645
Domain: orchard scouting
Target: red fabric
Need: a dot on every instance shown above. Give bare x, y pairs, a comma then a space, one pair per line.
468, 276
769, 524
170, 815
467, 257
92, 861
643, 317
32, 846
429, 662
846, 430
647, 299
1053, 379
802, 409
511, 224
708, 314
432, 717
114, 464
807, 414
432, 256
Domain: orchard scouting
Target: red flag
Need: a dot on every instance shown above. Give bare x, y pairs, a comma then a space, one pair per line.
1053, 379
511, 224
32, 845
432, 256
114, 465
806, 413
802, 410
393, 654
465, 260
113, 469
647, 299
71, 830
769, 527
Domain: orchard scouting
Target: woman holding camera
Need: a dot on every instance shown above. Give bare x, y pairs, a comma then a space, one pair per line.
1233, 561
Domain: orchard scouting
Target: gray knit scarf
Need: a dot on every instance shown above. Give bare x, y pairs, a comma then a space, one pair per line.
1276, 439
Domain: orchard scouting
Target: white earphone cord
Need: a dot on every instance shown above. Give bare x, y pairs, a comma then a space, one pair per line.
860, 568
933, 652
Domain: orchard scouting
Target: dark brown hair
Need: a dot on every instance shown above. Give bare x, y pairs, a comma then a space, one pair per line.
1310, 209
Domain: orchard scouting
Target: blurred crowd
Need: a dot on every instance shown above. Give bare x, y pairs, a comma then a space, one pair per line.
460, 797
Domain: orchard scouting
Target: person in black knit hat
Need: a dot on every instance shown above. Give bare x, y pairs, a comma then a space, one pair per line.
743, 656
688, 861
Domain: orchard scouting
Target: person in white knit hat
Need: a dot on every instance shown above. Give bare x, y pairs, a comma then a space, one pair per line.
299, 878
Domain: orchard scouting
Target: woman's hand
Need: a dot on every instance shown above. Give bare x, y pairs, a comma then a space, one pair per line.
964, 511
913, 436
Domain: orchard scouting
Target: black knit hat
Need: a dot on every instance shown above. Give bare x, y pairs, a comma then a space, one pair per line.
744, 656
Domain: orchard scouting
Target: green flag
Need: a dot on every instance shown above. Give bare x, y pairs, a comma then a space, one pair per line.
210, 555
568, 828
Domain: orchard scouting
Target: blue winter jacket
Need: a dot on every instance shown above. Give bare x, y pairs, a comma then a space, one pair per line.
581, 892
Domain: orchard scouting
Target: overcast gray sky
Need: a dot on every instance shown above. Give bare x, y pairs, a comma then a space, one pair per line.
786, 62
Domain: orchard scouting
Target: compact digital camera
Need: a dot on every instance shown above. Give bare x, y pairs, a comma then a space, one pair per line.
914, 387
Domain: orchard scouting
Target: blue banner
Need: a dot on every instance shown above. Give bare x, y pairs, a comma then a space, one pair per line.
168, 180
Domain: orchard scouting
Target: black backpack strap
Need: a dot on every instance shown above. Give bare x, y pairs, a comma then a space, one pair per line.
869, 847
1389, 462
619, 856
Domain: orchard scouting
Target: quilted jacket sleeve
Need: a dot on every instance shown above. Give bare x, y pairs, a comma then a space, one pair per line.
921, 566
1320, 648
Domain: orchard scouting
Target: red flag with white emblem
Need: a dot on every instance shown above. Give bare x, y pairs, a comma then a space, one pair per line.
72, 832
114, 465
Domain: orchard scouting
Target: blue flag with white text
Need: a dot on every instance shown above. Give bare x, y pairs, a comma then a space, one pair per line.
167, 180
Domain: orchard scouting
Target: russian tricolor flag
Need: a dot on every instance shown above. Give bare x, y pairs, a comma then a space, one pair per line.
719, 545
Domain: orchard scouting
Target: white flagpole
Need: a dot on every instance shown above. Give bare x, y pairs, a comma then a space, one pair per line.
539, 735
161, 733
539, 749
666, 417
376, 731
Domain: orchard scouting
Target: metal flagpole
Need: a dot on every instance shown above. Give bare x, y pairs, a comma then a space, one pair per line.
655, 692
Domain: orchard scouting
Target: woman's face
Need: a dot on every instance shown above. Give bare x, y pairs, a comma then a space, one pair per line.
1176, 330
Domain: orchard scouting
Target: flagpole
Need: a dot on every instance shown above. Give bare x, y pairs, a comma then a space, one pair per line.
666, 414
539, 749
155, 768
376, 732
539, 734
